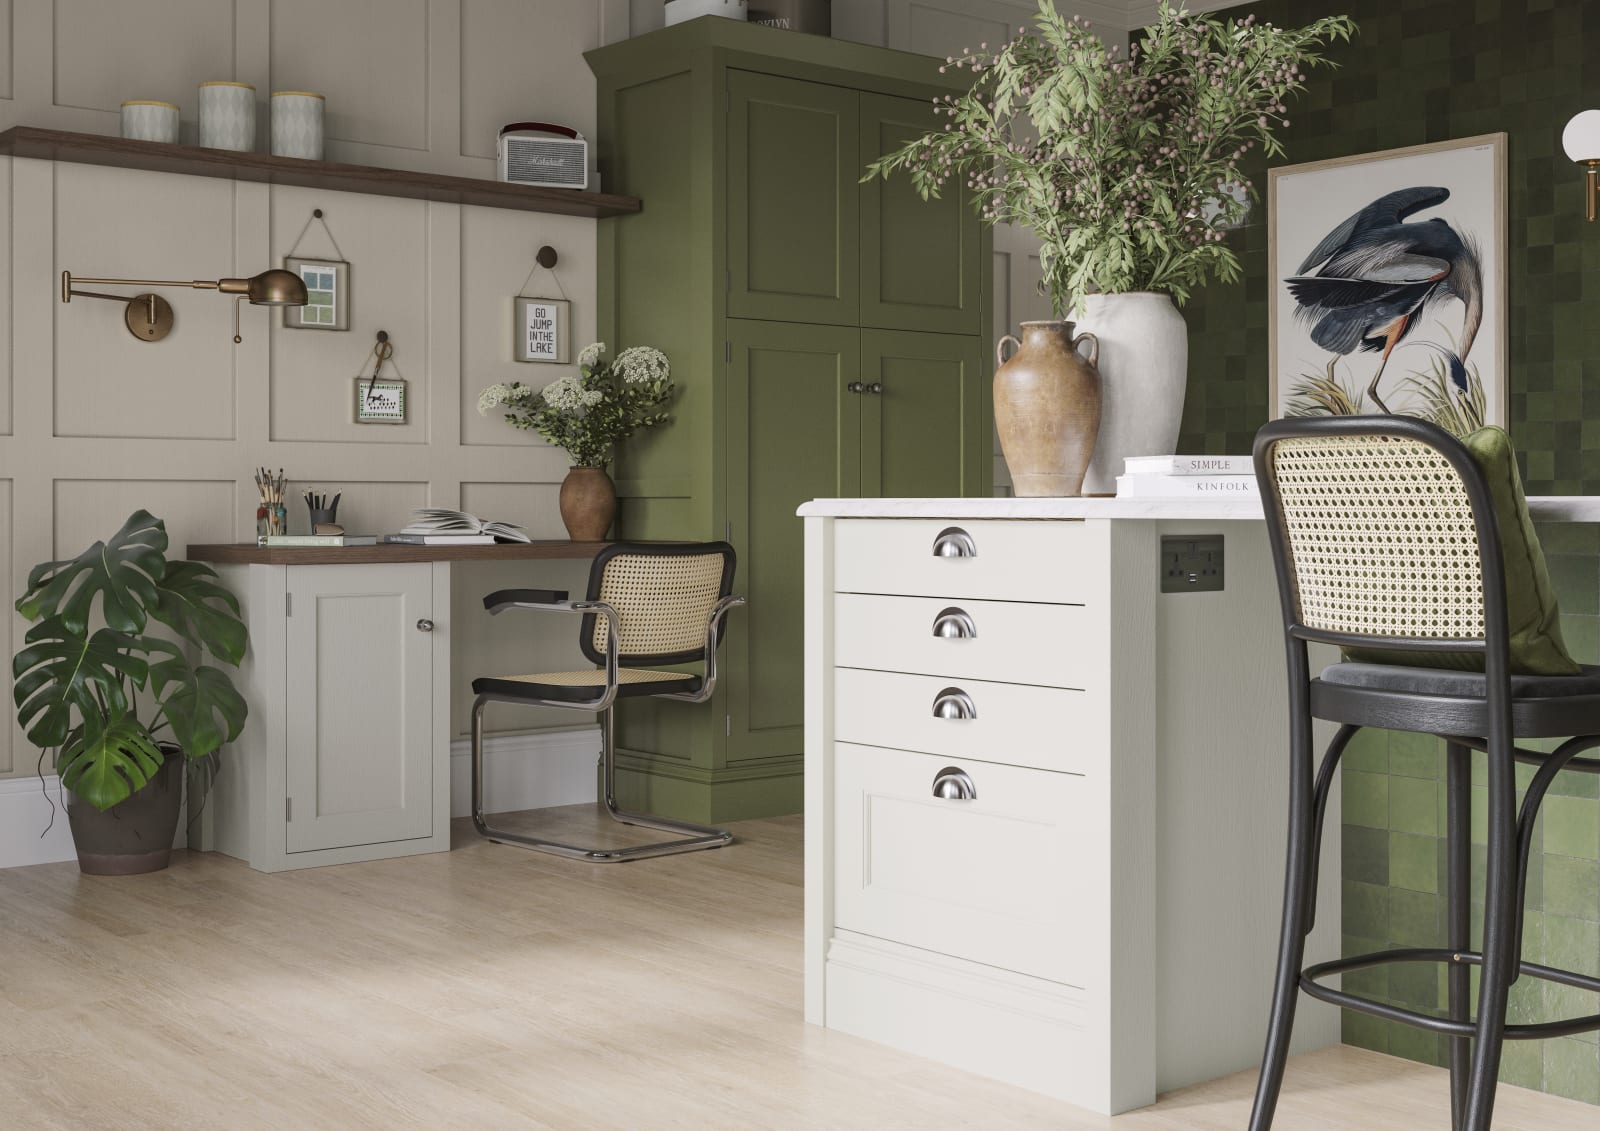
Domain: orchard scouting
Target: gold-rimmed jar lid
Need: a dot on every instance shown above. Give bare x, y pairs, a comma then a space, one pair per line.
299, 94
150, 102
225, 82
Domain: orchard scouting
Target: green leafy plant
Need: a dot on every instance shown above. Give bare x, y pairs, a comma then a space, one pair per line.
1125, 168
588, 415
80, 690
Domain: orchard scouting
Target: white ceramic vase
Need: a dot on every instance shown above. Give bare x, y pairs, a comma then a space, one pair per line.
1144, 366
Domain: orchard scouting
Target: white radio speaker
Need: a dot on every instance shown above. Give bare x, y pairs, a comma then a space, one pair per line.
537, 153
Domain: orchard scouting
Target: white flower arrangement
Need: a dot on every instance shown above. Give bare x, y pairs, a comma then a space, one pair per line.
589, 413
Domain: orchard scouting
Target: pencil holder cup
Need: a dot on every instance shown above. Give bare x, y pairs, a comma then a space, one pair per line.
321, 516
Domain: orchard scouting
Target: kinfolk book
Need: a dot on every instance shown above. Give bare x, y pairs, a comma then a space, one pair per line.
1186, 487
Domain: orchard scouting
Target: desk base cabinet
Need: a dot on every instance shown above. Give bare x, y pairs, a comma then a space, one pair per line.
345, 756
1045, 801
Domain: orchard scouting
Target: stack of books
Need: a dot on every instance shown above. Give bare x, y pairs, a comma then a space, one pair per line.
440, 526
1187, 477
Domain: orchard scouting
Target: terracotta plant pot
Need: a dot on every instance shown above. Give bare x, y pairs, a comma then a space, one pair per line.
588, 503
1144, 362
135, 835
1047, 408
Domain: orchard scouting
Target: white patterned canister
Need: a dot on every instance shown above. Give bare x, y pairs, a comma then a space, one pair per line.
228, 115
143, 120
297, 124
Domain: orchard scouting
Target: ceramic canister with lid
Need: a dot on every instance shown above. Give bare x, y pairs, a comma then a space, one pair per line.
228, 115
146, 120
297, 124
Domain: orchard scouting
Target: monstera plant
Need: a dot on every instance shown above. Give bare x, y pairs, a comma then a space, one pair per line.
112, 674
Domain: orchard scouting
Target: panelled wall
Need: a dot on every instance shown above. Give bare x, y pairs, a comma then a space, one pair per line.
94, 424
1423, 71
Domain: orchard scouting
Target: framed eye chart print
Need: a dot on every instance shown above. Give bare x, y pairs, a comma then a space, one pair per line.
327, 294
540, 329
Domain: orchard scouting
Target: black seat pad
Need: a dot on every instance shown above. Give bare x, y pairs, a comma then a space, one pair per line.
1457, 684
523, 689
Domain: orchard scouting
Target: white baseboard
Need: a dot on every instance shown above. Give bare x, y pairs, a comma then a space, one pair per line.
521, 771
527, 771
24, 814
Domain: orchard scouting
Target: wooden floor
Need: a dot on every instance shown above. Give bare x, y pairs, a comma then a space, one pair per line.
491, 987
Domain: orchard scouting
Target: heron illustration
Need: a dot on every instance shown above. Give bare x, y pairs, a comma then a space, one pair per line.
1376, 276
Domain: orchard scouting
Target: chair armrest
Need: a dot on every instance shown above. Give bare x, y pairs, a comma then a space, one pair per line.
547, 599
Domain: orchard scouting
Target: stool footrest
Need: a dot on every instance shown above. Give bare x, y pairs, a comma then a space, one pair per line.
1448, 1026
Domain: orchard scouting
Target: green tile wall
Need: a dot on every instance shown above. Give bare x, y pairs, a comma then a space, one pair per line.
1423, 71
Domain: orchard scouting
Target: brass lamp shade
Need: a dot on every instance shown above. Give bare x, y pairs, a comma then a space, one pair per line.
273, 287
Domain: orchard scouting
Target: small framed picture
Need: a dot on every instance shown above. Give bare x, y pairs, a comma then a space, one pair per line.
539, 329
327, 294
380, 402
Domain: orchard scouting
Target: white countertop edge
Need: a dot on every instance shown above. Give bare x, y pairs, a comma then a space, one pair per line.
1544, 508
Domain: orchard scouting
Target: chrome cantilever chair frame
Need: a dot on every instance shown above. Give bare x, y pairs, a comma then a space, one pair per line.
693, 837
1490, 721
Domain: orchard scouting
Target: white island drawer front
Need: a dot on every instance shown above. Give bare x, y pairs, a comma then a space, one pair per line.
996, 640
1048, 728
1000, 559
991, 879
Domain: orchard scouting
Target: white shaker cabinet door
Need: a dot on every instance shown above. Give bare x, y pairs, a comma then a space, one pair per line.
360, 705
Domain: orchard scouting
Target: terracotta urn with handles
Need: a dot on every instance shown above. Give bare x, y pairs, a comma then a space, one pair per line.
1047, 408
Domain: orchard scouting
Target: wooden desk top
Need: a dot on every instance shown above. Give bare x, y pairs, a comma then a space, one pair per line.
248, 553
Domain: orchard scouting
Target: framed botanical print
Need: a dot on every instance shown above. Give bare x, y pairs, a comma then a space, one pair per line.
540, 329
327, 294
1388, 274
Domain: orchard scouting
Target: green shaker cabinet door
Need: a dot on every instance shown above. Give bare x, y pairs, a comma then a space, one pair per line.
920, 266
793, 435
925, 431
793, 202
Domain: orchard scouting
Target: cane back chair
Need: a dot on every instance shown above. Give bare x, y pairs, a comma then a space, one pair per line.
648, 605
1384, 535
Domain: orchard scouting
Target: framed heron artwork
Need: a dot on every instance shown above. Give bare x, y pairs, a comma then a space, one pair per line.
1389, 284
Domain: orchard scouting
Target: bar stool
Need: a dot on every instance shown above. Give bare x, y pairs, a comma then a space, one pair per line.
1385, 535
648, 605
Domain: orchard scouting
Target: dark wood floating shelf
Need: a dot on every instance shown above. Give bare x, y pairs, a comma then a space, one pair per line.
248, 553
195, 161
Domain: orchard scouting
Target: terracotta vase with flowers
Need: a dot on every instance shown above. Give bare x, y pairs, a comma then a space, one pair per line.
587, 415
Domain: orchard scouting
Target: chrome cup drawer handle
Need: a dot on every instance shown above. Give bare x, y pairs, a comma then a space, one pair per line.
954, 624
953, 784
953, 542
953, 703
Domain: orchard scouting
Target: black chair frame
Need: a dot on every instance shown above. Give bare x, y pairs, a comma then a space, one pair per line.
1490, 724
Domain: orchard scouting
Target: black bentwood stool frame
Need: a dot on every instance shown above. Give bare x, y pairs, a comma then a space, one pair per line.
647, 604
1384, 535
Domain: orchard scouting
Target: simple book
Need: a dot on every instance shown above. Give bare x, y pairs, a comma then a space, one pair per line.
1189, 465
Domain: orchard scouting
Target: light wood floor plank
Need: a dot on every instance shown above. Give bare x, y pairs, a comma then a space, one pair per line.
495, 988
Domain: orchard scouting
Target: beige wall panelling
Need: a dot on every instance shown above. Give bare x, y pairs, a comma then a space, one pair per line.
5, 299
500, 246
533, 505
946, 27
385, 241
379, 507
107, 382
99, 54
194, 510
6, 41
386, 66
11, 629
523, 62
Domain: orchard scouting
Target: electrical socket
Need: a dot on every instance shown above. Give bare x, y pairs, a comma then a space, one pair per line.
1191, 563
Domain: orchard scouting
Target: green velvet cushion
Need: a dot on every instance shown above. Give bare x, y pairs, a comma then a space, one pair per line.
1532, 616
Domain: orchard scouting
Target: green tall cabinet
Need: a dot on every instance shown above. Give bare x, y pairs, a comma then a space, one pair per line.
828, 337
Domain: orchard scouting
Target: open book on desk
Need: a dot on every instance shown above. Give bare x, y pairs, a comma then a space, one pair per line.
439, 526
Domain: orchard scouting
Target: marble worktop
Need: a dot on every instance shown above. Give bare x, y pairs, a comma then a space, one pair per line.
1544, 508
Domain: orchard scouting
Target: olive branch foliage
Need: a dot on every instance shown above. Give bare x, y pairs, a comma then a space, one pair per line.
1122, 166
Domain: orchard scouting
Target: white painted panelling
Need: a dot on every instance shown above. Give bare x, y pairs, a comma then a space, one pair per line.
533, 505
380, 507
385, 240
11, 740
161, 50
522, 62
527, 771
107, 382
88, 510
501, 245
370, 57
27, 833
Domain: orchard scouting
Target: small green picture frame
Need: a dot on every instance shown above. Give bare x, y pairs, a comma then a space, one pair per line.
380, 402
327, 294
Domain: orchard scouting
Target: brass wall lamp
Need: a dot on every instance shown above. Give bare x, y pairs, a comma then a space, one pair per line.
149, 316
1581, 140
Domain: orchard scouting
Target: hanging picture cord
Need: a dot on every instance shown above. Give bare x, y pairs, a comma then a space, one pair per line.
382, 351
546, 258
316, 215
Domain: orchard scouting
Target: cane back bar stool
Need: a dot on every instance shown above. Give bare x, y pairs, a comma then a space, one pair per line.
1384, 534
647, 605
